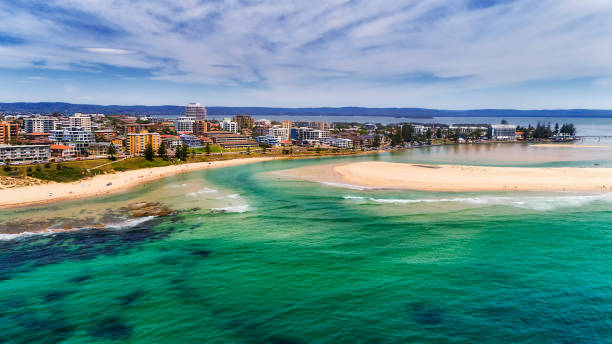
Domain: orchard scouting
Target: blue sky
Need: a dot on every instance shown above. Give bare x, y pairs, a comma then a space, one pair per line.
455, 54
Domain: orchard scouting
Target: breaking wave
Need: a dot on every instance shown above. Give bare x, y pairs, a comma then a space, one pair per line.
201, 192
50, 231
232, 209
347, 186
541, 203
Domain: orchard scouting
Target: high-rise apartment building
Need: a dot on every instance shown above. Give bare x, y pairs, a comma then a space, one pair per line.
199, 127
80, 121
244, 121
40, 124
184, 124
137, 143
8, 132
195, 111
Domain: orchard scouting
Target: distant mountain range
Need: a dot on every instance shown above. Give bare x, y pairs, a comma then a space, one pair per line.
218, 111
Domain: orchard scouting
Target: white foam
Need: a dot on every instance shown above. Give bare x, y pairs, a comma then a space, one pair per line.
177, 186
347, 186
232, 209
201, 192
129, 223
50, 231
541, 203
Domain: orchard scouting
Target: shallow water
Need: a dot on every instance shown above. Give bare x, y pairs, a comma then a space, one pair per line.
302, 262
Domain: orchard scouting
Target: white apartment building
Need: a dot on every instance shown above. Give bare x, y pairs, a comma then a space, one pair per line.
195, 111
228, 125
184, 124
309, 135
40, 124
504, 132
25, 153
340, 142
281, 133
81, 121
74, 137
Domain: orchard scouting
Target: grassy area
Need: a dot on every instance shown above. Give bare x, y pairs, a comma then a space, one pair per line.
213, 149
134, 164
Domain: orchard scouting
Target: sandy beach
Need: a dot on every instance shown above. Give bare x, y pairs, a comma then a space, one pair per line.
104, 184
456, 178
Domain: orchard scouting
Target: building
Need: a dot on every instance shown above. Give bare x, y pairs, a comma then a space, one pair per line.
340, 142
288, 124
135, 128
319, 125
171, 141
106, 135
8, 132
137, 143
98, 148
263, 122
25, 153
282, 134
502, 132
227, 139
62, 152
244, 121
199, 127
184, 124
191, 141
40, 124
228, 125
81, 121
195, 111
79, 138
269, 140
309, 135
36, 138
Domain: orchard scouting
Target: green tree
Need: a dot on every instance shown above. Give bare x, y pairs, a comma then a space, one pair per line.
183, 151
193, 153
162, 152
111, 151
376, 141
7, 165
207, 148
149, 154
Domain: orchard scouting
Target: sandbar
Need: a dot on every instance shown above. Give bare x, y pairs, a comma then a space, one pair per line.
458, 178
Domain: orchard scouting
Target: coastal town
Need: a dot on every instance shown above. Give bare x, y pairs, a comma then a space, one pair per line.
45, 138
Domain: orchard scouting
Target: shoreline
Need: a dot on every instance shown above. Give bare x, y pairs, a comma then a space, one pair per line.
456, 178
99, 185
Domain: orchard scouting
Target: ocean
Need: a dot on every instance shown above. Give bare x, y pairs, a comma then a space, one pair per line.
253, 258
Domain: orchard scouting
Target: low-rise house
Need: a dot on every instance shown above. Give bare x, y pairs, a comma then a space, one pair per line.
62, 152
191, 141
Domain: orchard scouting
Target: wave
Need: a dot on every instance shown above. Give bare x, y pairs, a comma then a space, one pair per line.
201, 192
540, 203
176, 186
50, 231
232, 209
347, 186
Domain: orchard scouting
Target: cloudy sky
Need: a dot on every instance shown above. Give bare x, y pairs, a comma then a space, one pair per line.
452, 54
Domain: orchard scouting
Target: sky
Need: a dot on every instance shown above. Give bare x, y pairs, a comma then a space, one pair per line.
444, 54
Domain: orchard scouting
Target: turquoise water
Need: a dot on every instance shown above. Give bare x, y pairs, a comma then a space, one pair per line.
301, 262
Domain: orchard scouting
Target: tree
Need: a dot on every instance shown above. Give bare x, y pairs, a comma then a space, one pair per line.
407, 133
207, 148
556, 128
111, 151
376, 141
7, 165
149, 154
438, 133
503, 121
183, 151
162, 152
397, 138
248, 150
193, 153
428, 134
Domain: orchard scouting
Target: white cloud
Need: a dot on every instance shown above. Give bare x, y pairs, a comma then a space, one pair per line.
345, 47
